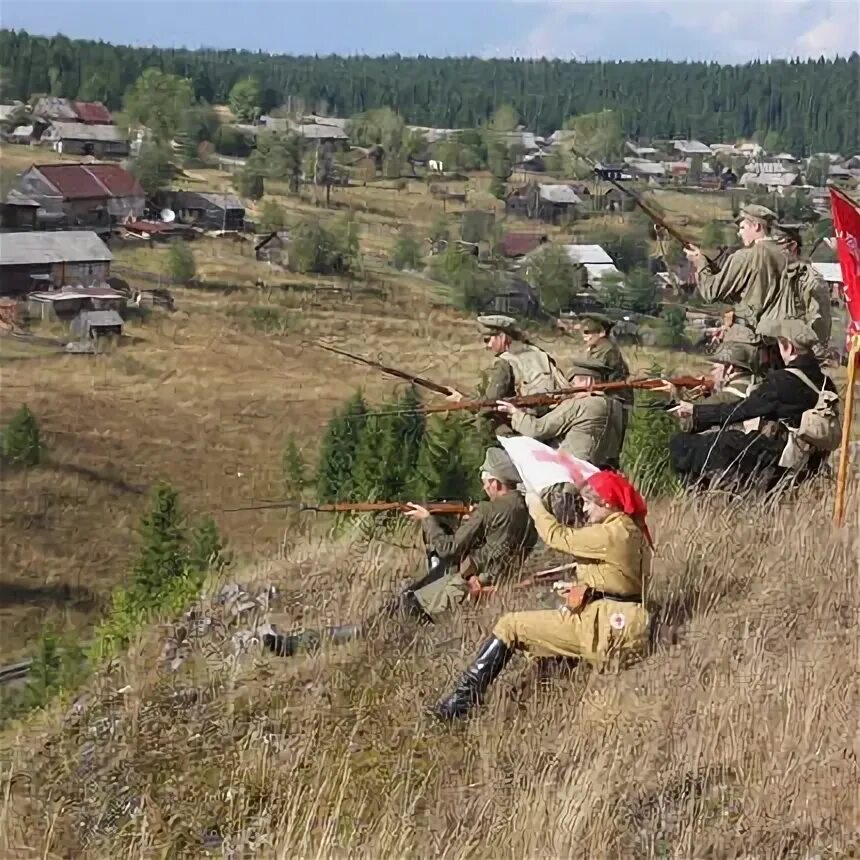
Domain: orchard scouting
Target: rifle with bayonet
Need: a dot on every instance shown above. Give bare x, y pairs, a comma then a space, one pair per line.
656, 217
420, 381
552, 397
441, 508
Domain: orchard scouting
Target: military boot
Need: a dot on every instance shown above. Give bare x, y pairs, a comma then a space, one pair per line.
309, 641
492, 658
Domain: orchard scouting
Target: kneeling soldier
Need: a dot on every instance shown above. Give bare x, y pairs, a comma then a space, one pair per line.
490, 545
603, 615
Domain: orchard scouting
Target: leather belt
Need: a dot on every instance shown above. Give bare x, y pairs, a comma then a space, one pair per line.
595, 594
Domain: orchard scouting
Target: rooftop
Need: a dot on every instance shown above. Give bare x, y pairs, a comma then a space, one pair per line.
82, 131
692, 147
520, 244
558, 194
72, 293
96, 319
80, 181
40, 248
592, 254
216, 199
93, 112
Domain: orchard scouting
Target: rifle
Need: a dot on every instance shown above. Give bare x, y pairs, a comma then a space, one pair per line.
552, 397
450, 508
652, 213
391, 371
539, 578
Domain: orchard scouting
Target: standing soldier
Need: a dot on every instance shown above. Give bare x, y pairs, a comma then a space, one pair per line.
600, 347
603, 616
751, 280
809, 286
490, 545
520, 368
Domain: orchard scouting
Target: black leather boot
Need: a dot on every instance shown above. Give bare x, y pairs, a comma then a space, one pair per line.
492, 658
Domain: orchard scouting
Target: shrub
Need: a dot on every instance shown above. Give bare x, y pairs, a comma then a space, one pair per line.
20, 442
249, 183
272, 216
180, 263
407, 251
672, 331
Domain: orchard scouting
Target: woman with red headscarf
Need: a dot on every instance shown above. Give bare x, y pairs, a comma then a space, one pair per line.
603, 613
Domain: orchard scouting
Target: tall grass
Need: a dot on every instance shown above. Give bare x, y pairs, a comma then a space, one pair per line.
738, 740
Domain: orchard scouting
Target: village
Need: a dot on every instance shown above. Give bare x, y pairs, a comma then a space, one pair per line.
78, 201
218, 322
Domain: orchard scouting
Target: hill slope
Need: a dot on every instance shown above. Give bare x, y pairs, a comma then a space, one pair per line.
741, 740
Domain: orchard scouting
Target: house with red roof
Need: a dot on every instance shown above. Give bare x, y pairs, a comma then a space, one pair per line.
89, 195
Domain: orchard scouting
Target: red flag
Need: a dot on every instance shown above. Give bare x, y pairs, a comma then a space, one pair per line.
846, 225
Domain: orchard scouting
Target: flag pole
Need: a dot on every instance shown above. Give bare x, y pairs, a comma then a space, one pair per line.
847, 418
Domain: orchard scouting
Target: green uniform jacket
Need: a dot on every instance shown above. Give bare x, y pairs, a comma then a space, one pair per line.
587, 427
752, 281
497, 537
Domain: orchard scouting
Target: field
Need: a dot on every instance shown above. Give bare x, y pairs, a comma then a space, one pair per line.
739, 740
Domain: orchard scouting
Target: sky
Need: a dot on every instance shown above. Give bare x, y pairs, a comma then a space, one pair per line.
730, 31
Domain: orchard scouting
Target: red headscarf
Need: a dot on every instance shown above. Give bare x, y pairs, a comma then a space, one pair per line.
615, 491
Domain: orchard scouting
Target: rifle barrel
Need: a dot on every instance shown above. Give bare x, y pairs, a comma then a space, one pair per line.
421, 381
552, 397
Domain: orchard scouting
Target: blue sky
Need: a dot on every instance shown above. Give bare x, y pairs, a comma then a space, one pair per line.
722, 30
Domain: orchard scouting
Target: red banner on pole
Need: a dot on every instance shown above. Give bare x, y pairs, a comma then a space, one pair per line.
846, 225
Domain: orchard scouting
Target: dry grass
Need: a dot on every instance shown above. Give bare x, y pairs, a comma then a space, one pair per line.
740, 741
204, 400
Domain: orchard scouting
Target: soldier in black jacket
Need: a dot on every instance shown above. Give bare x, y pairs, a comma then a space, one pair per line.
754, 449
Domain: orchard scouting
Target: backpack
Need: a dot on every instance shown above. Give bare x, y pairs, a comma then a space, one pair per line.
820, 427
534, 371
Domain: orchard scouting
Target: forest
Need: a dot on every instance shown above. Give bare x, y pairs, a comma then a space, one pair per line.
804, 106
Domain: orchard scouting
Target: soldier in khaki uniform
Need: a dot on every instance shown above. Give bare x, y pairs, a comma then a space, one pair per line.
809, 286
588, 425
752, 280
520, 368
490, 545
599, 346
603, 614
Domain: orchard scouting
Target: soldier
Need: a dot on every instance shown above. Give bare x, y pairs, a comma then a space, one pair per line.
751, 279
778, 403
603, 614
809, 286
490, 545
588, 425
520, 368
599, 346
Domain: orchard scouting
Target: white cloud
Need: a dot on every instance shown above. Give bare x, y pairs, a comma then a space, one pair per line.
734, 31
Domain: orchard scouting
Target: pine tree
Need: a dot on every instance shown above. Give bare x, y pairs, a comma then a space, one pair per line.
162, 554
449, 461
645, 458
205, 548
20, 441
337, 457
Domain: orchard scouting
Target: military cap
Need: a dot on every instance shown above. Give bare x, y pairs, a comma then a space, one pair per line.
737, 354
788, 233
758, 214
796, 332
498, 323
499, 465
596, 322
589, 367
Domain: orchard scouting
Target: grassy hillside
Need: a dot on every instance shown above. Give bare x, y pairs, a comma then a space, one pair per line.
740, 740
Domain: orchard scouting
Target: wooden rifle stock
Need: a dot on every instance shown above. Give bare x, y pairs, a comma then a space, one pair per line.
391, 371
553, 397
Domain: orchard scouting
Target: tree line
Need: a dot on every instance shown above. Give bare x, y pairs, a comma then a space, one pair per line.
805, 105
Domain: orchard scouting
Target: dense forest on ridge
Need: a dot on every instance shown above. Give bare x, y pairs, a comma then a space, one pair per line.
805, 105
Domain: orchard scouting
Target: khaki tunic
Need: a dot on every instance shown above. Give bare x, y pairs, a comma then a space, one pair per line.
503, 383
497, 538
607, 351
815, 300
752, 281
588, 427
612, 556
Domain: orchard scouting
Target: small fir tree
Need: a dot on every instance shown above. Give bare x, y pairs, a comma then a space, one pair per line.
162, 555
20, 442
